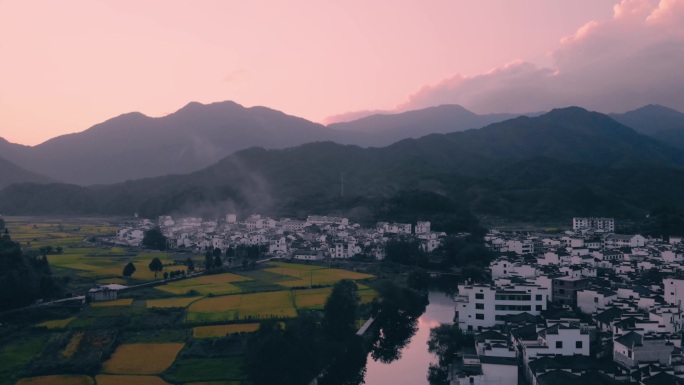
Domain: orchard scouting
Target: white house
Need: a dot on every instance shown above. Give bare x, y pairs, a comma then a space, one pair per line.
422, 227
483, 306
592, 300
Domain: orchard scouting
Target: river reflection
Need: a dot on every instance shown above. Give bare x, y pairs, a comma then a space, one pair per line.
412, 366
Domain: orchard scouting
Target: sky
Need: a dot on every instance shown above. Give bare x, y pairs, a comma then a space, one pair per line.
65, 66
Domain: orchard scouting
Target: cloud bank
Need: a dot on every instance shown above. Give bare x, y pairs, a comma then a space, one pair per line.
633, 59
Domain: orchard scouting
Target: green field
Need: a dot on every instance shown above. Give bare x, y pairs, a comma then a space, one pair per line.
15, 354
178, 332
208, 369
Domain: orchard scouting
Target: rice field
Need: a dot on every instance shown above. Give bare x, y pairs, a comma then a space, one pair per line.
118, 302
217, 284
223, 330
108, 379
57, 323
314, 299
67, 379
72, 347
243, 306
311, 299
142, 358
171, 302
327, 277
230, 368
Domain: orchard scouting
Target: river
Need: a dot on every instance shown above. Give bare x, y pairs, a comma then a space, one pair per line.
412, 367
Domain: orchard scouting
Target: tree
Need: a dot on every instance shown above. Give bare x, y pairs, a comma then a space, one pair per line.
190, 264
445, 340
2, 224
129, 269
208, 261
23, 279
156, 266
59, 250
154, 239
217, 260
341, 310
166, 275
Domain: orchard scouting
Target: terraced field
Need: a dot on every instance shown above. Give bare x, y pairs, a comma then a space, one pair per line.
162, 334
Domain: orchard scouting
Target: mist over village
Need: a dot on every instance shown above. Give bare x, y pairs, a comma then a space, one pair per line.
342, 193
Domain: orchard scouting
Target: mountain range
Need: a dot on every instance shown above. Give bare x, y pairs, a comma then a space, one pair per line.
564, 163
133, 146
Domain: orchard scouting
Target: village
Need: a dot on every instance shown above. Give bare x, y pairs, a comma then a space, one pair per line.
315, 238
585, 304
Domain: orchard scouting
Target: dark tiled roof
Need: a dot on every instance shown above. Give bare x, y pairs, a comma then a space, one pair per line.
499, 360
630, 339
608, 315
663, 379
575, 362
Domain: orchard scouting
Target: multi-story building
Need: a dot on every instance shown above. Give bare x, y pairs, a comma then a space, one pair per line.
674, 291
604, 224
481, 306
422, 227
565, 289
633, 348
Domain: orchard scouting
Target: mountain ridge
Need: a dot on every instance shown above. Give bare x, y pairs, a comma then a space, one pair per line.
558, 163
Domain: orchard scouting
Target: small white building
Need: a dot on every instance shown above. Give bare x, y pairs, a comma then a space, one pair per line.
592, 300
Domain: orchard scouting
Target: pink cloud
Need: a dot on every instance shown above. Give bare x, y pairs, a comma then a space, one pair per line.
632, 59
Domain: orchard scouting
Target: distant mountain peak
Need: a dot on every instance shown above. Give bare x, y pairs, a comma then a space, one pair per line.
197, 106
655, 108
651, 119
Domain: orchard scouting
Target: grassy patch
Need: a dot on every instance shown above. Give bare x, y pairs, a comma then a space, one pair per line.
56, 324
171, 302
118, 302
223, 330
142, 358
16, 354
67, 379
207, 369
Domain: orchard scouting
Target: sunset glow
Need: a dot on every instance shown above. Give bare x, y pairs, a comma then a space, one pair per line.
67, 66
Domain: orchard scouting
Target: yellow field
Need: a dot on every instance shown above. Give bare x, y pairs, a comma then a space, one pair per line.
242, 306
67, 379
108, 379
72, 347
217, 284
171, 302
223, 330
57, 323
315, 298
317, 277
226, 302
142, 358
312, 299
118, 302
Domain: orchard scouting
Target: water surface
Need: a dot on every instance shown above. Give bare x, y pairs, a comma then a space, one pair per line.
412, 367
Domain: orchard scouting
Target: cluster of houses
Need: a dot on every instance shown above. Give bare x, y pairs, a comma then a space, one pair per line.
586, 306
316, 238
